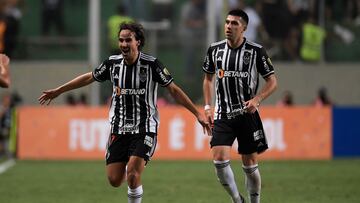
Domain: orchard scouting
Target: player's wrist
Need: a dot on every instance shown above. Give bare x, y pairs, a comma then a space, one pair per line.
207, 107
259, 100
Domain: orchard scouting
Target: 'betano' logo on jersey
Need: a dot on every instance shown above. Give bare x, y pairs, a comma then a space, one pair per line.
229, 73
120, 91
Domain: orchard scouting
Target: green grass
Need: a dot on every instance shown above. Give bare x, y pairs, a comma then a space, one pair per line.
180, 182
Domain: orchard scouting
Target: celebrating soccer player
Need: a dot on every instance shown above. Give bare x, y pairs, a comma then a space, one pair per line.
236, 63
133, 113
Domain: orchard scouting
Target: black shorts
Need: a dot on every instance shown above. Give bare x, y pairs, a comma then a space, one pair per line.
121, 147
246, 128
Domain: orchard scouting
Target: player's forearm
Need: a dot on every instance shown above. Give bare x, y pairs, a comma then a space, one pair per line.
269, 87
181, 98
77, 82
208, 89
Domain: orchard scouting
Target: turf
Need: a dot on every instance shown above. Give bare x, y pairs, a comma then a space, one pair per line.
180, 182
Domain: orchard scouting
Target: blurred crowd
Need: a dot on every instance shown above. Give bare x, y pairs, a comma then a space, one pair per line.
290, 30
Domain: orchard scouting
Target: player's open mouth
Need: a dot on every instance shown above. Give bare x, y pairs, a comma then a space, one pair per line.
125, 51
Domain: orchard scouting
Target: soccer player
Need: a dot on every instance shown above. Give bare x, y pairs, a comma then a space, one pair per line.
133, 113
4, 71
236, 64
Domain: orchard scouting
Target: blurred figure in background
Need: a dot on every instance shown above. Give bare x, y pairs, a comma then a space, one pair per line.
277, 22
52, 14
286, 99
4, 71
313, 37
322, 98
70, 100
8, 103
3, 25
83, 100
352, 13
5, 123
163, 10
13, 17
113, 25
192, 33
255, 31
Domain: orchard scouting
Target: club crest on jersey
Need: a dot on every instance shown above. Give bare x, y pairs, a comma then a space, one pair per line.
142, 75
246, 57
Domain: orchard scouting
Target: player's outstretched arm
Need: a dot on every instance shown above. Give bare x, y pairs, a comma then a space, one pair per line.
80, 81
181, 98
4, 71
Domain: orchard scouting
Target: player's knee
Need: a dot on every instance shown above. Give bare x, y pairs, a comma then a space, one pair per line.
115, 181
132, 177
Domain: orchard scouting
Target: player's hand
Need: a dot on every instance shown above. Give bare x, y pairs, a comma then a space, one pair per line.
252, 105
48, 96
205, 124
4, 62
209, 117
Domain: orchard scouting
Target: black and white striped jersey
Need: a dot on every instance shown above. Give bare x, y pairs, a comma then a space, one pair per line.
133, 106
237, 74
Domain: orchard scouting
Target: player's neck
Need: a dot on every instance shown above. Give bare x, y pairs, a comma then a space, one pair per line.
131, 60
236, 42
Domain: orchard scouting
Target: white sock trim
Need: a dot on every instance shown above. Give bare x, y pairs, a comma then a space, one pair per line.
251, 166
136, 192
221, 162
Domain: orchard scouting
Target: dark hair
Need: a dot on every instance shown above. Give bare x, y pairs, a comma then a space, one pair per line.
240, 13
137, 29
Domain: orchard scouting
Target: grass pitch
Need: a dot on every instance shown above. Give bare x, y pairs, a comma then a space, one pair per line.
180, 182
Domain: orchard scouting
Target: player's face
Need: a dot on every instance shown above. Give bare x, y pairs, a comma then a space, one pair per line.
128, 45
234, 28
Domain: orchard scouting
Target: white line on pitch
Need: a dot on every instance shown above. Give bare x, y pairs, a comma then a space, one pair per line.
6, 165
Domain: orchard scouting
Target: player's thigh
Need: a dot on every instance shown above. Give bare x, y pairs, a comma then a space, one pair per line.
116, 170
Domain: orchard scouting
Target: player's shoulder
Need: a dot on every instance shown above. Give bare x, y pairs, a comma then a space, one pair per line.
218, 44
114, 59
147, 57
252, 44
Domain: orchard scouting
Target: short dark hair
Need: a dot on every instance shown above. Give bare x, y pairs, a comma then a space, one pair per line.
240, 13
135, 28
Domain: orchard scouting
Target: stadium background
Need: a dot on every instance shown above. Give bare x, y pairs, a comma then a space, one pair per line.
322, 135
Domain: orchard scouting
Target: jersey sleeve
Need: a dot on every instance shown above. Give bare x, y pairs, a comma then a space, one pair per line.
161, 74
209, 66
264, 64
102, 72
